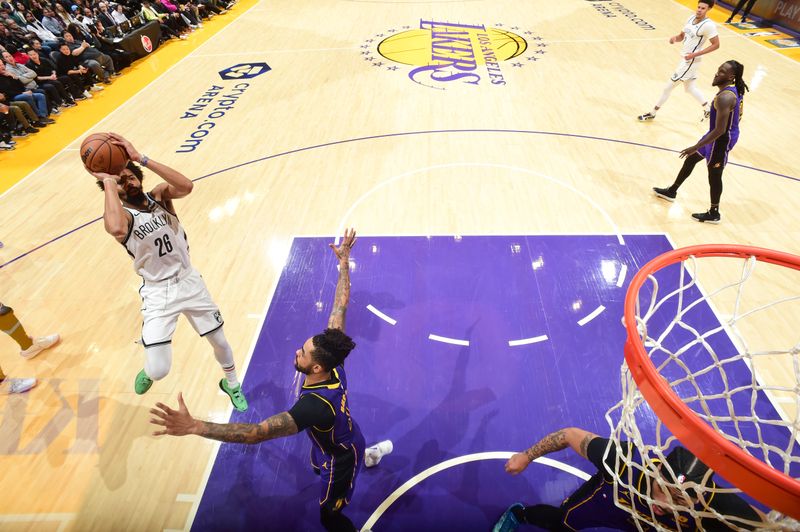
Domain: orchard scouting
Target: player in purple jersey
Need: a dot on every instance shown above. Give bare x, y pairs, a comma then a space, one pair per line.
593, 504
322, 410
726, 112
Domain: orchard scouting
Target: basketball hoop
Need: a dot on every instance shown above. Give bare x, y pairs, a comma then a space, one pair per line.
694, 316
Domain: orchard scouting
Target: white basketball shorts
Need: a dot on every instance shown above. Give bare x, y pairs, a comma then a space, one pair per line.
687, 70
164, 301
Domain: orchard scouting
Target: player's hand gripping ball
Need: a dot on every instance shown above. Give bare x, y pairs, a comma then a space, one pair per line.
100, 153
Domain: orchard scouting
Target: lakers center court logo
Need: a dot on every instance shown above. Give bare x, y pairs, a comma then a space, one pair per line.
441, 54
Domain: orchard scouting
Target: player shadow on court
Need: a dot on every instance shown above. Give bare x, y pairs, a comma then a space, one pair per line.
111, 485
383, 301
251, 496
455, 412
66, 423
469, 489
126, 419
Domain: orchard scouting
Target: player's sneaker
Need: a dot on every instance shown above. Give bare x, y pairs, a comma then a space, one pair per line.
706, 114
711, 217
665, 193
40, 344
373, 455
9, 386
142, 383
236, 395
508, 522
645, 117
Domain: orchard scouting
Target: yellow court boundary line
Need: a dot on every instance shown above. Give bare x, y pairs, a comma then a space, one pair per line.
35, 150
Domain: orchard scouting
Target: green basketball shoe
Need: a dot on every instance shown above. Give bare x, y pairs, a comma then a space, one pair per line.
142, 383
236, 395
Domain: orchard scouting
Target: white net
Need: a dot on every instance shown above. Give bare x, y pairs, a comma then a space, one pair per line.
724, 332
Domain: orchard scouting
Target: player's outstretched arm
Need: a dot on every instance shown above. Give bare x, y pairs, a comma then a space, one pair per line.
577, 439
177, 185
180, 423
342, 296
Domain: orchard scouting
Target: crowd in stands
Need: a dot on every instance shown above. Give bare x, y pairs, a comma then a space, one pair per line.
56, 53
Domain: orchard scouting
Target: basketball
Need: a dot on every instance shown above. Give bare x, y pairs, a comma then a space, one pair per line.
99, 154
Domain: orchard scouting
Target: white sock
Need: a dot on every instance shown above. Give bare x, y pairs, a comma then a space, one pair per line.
224, 355
230, 375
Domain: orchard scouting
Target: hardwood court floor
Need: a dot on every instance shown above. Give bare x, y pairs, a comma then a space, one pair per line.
334, 135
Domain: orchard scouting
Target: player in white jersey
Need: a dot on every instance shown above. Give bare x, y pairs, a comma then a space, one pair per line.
146, 224
698, 30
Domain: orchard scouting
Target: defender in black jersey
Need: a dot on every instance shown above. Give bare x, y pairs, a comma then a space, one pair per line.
322, 410
597, 504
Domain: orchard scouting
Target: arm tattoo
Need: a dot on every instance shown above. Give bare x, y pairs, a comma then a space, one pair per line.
234, 432
549, 444
342, 297
275, 427
585, 444
281, 425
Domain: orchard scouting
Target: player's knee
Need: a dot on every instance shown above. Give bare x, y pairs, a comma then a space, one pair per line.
157, 371
158, 361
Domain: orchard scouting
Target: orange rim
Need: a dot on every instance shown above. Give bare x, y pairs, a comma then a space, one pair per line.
765, 484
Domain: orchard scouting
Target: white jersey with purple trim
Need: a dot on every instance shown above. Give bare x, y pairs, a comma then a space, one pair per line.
157, 242
695, 35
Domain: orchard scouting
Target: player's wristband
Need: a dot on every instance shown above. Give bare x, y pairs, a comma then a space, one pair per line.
144, 161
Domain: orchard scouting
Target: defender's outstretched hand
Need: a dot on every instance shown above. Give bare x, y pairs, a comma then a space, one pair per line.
348, 241
175, 422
